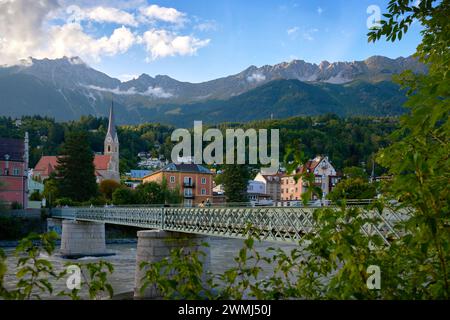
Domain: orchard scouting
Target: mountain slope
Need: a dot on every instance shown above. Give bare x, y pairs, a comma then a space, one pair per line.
286, 98
68, 88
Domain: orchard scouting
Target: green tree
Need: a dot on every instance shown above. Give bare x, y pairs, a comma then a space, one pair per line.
353, 188
418, 160
124, 196
235, 180
107, 188
51, 190
76, 171
355, 172
150, 193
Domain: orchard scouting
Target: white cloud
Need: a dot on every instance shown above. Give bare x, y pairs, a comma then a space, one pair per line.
70, 40
56, 28
163, 43
101, 14
319, 10
127, 77
293, 30
309, 34
206, 26
156, 92
170, 15
256, 77
21, 24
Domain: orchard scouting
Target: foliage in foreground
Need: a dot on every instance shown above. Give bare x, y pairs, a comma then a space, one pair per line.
333, 263
36, 275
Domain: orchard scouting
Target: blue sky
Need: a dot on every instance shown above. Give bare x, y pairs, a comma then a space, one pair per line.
203, 39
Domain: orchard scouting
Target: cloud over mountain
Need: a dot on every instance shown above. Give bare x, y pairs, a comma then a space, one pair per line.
53, 29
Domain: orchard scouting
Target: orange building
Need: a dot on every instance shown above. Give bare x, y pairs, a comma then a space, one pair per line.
194, 181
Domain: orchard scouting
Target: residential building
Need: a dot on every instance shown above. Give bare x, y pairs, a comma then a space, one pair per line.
325, 177
272, 184
135, 177
14, 171
195, 182
106, 164
256, 191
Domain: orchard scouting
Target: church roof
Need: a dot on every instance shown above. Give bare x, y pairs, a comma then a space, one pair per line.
101, 162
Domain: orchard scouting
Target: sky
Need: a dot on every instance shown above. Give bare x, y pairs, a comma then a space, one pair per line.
193, 40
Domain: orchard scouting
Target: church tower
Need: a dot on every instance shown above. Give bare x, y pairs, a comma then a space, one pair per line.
112, 147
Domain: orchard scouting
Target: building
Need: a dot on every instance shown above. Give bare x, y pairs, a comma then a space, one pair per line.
325, 177
14, 171
194, 181
272, 184
135, 177
106, 164
256, 191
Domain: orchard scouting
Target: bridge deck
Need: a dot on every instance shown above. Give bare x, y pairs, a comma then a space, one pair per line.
278, 224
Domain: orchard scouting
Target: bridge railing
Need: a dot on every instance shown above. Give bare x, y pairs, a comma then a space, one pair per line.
280, 224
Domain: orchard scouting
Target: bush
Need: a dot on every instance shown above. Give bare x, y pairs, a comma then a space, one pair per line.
64, 202
16, 206
36, 196
123, 196
107, 188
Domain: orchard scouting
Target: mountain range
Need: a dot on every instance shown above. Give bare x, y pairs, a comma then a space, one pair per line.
67, 88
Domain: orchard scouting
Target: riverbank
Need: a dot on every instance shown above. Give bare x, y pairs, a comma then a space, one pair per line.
14, 243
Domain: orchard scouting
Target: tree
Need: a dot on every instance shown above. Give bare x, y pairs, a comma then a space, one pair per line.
150, 193
235, 180
418, 160
353, 188
124, 196
51, 189
355, 172
107, 188
76, 171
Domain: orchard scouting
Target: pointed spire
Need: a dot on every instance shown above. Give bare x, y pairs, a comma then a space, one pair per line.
111, 125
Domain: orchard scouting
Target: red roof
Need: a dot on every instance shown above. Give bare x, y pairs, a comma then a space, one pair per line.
47, 164
101, 162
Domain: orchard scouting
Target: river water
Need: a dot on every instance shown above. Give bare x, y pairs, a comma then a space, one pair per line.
222, 250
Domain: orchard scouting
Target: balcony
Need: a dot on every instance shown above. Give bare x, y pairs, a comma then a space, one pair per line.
188, 196
188, 184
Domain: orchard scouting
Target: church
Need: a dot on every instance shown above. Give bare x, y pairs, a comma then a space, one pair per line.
106, 164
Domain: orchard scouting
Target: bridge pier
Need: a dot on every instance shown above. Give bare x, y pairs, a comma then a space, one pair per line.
80, 239
155, 245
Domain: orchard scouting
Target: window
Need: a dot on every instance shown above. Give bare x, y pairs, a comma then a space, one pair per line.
187, 181
318, 179
16, 171
203, 180
188, 192
203, 191
109, 148
172, 179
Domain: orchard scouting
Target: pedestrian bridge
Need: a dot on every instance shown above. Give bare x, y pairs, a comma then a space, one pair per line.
168, 228
276, 224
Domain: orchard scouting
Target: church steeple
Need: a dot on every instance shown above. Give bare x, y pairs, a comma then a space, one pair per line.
112, 146
111, 125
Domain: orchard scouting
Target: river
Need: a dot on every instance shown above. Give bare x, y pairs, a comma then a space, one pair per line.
222, 250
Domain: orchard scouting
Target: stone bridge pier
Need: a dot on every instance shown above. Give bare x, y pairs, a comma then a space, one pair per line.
155, 245
81, 239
